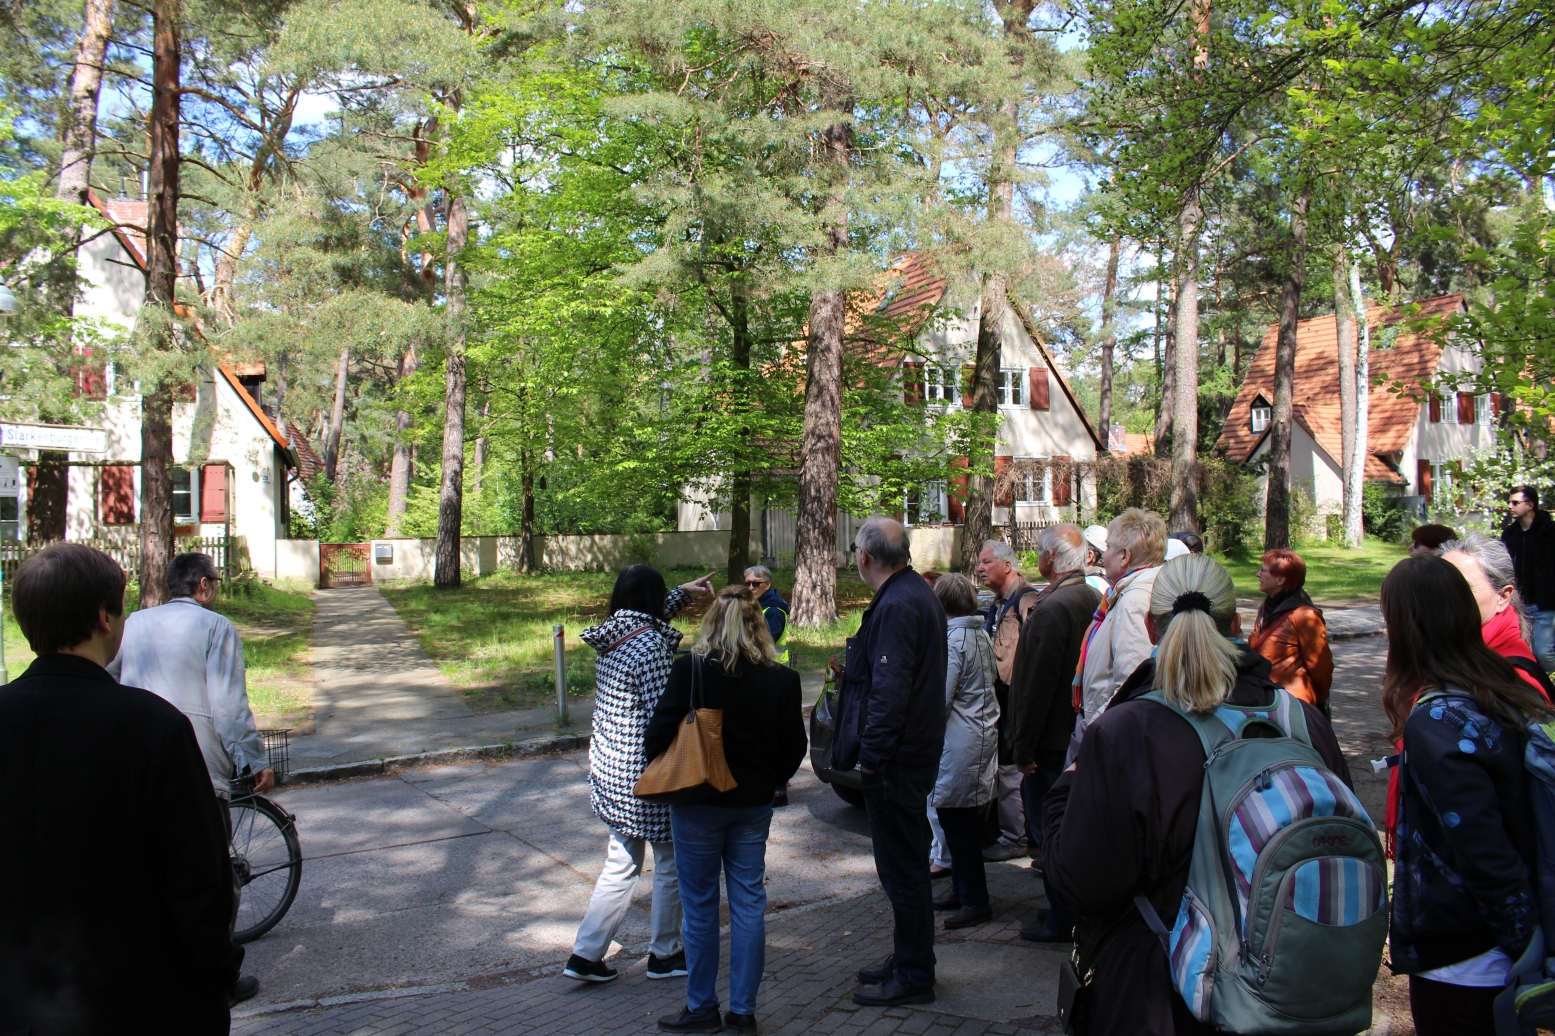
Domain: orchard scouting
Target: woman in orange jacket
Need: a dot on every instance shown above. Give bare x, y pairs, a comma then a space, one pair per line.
1290, 631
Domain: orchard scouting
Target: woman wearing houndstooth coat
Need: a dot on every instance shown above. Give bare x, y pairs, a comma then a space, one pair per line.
636, 646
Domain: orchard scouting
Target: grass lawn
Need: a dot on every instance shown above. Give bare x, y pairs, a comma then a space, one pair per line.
275, 624
1335, 575
492, 636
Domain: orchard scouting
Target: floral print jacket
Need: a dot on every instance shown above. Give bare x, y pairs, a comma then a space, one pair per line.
1463, 880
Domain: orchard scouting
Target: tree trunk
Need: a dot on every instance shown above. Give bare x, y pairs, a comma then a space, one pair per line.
1168, 411
337, 417
156, 419
1109, 338
740, 478
1344, 318
1185, 398
527, 562
79, 129
402, 467
450, 499
1277, 511
1355, 529
272, 144
992, 310
820, 470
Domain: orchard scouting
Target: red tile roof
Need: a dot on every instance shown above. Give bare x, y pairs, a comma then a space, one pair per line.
1410, 360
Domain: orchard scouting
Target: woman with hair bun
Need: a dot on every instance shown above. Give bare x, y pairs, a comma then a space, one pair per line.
1121, 821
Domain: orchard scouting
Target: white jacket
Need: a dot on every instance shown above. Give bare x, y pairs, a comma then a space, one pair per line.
193, 657
1119, 644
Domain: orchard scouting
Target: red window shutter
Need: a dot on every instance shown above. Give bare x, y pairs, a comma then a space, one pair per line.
1495, 404
1001, 471
117, 491
968, 384
1423, 479
955, 496
1436, 408
912, 383
1465, 408
91, 382
213, 493
1063, 475
1039, 389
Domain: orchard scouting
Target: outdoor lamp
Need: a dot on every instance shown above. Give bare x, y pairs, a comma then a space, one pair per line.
9, 307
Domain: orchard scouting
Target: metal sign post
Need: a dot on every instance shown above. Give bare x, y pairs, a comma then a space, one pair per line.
10, 486
562, 715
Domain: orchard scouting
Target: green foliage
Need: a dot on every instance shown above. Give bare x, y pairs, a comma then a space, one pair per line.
1229, 505
1382, 515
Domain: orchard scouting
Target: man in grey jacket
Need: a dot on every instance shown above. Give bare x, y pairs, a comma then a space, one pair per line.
186, 653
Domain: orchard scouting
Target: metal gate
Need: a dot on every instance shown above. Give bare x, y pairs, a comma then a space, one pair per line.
344, 564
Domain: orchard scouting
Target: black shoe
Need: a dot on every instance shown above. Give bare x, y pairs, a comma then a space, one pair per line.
673, 966
582, 969
1043, 931
245, 988
968, 917
704, 1021
878, 973
743, 1024
950, 902
892, 993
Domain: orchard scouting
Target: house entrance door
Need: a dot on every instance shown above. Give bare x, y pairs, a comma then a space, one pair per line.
344, 564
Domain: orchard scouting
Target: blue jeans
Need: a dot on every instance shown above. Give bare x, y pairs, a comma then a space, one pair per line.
1543, 637
735, 839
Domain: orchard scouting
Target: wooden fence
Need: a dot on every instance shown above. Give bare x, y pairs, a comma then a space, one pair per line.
222, 550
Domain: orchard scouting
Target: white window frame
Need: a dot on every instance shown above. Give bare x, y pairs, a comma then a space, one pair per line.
1013, 388
1035, 491
1266, 412
935, 377
1483, 412
1450, 408
933, 497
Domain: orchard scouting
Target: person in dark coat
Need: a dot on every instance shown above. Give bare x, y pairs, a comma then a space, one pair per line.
734, 665
1041, 713
891, 724
134, 941
1530, 538
1122, 820
1464, 906
758, 580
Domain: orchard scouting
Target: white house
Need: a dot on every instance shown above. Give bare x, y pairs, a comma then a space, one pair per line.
1045, 439
236, 470
1413, 439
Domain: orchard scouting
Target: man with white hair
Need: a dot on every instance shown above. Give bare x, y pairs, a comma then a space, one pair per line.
1040, 716
1016, 597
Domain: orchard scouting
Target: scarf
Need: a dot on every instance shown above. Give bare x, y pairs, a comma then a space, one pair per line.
1107, 602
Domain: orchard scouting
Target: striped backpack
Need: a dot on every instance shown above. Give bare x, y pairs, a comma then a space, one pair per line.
1282, 924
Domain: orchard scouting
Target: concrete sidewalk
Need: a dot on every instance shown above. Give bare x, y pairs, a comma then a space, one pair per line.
377, 693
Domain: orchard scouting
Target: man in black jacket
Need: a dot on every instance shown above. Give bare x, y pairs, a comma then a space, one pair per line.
1530, 538
891, 723
1041, 714
113, 857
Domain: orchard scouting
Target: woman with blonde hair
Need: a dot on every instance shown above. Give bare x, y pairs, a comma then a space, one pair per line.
1121, 821
732, 667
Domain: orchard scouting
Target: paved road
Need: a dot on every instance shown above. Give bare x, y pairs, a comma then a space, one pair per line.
446, 900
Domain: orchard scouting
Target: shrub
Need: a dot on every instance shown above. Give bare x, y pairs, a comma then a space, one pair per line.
1382, 514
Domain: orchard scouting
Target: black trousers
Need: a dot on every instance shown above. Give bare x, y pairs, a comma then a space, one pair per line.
235, 952
1033, 790
964, 838
897, 800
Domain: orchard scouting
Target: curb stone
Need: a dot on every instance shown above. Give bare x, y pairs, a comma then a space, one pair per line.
528, 748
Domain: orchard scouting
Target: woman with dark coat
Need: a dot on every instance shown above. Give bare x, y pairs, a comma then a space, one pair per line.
1122, 820
636, 645
734, 667
1463, 897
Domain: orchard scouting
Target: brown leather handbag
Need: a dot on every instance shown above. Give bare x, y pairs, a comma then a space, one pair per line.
692, 769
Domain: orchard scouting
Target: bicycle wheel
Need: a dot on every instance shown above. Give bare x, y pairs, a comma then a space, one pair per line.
268, 859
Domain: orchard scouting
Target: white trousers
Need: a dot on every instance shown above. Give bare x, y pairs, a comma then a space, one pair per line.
939, 854
613, 895
1012, 810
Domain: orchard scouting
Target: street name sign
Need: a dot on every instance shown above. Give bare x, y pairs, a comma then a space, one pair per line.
54, 437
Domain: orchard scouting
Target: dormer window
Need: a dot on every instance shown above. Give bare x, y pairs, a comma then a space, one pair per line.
1261, 414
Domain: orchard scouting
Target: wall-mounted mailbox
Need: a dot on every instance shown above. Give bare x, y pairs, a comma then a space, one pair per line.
383, 553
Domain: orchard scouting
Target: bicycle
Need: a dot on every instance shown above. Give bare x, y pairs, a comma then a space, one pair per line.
266, 854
